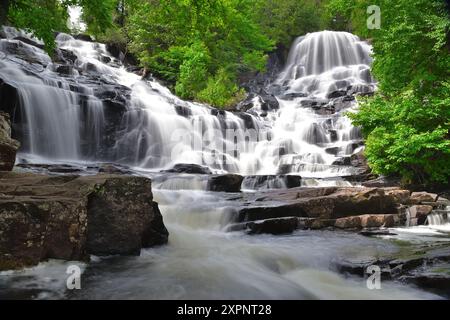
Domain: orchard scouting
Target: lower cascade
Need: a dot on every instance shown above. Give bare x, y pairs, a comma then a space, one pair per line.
258, 201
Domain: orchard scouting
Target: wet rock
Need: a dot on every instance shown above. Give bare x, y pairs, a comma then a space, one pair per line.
419, 197
83, 37
189, 168
419, 213
376, 232
361, 89
111, 168
269, 102
8, 146
367, 221
30, 42
323, 203
333, 138
332, 150
343, 161
382, 182
225, 183
69, 217
273, 226
65, 69
282, 181
400, 196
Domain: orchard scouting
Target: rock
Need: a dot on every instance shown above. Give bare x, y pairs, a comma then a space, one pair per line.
225, 183
382, 182
189, 168
111, 168
419, 213
293, 95
361, 89
30, 42
336, 94
419, 197
342, 161
273, 226
183, 111
70, 217
269, 102
83, 37
333, 138
65, 69
8, 146
258, 182
366, 221
376, 232
400, 196
332, 150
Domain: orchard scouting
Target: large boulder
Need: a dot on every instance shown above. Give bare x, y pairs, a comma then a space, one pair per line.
8, 146
225, 183
69, 217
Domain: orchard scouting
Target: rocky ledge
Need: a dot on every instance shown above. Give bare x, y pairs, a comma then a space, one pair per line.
350, 208
70, 217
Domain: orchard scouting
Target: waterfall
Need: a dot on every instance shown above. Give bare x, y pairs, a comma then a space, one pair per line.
98, 110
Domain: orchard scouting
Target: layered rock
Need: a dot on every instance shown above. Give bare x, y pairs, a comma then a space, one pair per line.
8, 146
70, 217
225, 183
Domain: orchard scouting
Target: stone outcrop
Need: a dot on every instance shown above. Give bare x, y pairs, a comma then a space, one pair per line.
70, 217
8, 146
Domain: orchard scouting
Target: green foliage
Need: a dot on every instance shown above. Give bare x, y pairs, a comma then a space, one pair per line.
407, 123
